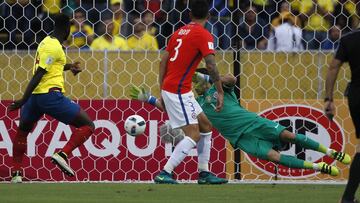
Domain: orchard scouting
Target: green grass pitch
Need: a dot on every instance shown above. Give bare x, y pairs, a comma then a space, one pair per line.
184, 193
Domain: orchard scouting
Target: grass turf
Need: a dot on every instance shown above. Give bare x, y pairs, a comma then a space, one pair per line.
110, 192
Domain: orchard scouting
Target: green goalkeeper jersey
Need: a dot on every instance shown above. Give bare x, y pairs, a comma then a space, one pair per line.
232, 120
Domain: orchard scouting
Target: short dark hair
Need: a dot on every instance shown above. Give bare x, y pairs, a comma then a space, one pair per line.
202, 70
199, 9
62, 21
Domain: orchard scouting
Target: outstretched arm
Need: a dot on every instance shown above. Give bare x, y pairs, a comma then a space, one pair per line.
35, 80
214, 75
145, 96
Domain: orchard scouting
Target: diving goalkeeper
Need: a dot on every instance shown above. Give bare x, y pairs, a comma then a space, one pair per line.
248, 131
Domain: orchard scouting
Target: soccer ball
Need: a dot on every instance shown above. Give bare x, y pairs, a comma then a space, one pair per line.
135, 125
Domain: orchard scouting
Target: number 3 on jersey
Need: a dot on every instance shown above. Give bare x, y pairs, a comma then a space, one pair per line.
176, 50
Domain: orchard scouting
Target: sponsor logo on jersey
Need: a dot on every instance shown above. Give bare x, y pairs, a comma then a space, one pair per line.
305, 120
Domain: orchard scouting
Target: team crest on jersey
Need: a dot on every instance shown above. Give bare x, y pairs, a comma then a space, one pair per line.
305, 120
211, 45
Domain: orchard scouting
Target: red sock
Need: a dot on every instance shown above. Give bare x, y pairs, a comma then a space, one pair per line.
19, 148
79, 136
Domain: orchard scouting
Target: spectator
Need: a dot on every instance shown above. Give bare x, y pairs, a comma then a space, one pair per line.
220, 24
266, 8
158, 11
18, 17
315, 14
108, 41
141, 40
253, 32
148, 20
81, 34
285, 10
286, 37
345, 15
132, 9
94, 10
332, 42
116, 8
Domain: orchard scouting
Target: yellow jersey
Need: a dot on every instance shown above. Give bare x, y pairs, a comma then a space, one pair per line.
117, 26
117, 43
51, 6
51, 57
77, 38
146, 42
317, 22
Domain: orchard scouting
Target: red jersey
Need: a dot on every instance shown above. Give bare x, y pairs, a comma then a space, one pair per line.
187, 47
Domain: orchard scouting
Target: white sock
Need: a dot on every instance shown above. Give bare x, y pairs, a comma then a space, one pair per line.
316, 167
181, 150
203, 150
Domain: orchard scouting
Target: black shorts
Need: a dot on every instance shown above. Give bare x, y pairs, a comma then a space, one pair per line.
354, 107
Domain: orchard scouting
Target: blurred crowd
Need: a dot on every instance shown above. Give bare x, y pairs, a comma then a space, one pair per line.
275, 25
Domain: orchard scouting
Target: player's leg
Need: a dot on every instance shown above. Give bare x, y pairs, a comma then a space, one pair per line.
203, 150
354, 175
308, 143
29, 115
64, 110
84, 128
182, 114
293, 162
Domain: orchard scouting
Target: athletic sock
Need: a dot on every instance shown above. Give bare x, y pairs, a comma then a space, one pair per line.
181, 150
293, 162
19, 148
78, 137
203, 149
307, 143
354, 179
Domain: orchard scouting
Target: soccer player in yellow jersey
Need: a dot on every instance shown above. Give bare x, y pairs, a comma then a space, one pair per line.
44, 95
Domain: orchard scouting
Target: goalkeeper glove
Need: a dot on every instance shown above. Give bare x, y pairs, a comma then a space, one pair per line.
142, 95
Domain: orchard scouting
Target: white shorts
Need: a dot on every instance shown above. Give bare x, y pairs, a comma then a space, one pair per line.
182, 109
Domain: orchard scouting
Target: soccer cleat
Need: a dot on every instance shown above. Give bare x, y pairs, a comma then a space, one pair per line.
164, 178
349, 201
61, 161
341, 156
207, 178
327, 169
16, 177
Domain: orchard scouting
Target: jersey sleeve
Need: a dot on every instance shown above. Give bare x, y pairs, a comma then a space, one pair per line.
341, 51
168, 47
47, 56
205, 43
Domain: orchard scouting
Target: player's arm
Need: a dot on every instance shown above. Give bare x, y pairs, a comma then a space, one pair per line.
333, 70
73, 67
145, 96
35, 80
163, 67
215, 78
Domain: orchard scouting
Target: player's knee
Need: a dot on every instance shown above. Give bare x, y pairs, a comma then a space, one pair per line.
358, 146
273, 156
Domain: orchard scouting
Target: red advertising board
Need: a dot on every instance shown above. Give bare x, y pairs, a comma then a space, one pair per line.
110, 154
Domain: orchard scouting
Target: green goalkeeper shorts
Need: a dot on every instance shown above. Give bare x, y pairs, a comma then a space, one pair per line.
260, 138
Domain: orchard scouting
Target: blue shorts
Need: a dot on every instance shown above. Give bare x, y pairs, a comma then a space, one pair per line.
54, 104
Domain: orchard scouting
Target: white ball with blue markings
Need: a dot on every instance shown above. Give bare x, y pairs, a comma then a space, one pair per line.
135, 125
